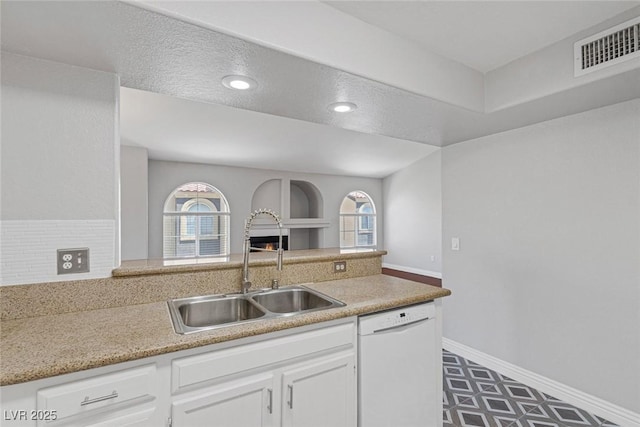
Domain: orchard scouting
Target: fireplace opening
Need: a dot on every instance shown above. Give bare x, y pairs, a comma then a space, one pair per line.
269, 242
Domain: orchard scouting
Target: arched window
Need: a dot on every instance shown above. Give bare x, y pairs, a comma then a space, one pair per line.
196, 222
357, 221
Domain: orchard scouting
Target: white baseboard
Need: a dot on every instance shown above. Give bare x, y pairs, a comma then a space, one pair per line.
413, 270
589, 403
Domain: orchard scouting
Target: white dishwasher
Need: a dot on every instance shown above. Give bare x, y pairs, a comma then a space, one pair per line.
399, 368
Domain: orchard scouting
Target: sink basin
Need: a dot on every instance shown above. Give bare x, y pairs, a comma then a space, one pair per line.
210, 312
294, 300
196, 314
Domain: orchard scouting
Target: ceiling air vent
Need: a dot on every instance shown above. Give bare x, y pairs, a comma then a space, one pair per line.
607, 48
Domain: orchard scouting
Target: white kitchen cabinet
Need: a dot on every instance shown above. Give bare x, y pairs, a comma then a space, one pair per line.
140, 417
244, 402
320, 393
306, 379
90, 399
127, 395
235, 383
137, 416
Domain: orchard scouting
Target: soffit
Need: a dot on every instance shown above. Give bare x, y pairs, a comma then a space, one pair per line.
483, 35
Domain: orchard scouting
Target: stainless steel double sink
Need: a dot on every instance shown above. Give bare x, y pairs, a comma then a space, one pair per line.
195, 314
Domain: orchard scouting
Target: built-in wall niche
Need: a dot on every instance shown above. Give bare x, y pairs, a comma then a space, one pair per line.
305, 200
300, 204
268, 195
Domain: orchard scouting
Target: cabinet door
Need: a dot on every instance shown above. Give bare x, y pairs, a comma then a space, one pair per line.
320, 393
244, 402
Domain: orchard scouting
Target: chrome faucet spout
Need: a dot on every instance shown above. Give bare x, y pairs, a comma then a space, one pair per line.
246, 248
279, 259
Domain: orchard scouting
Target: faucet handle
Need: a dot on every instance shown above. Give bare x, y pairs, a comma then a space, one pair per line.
246, 284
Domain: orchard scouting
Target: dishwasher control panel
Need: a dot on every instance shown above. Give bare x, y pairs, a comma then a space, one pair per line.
395, 318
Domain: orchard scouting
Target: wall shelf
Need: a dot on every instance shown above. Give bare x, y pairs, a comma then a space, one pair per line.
266, 223
307, 223
301, 207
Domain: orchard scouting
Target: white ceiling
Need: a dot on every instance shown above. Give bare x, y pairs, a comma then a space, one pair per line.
183, 130
483, 35
284, 124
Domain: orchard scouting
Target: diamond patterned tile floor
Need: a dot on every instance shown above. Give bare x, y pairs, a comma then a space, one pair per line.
475, 396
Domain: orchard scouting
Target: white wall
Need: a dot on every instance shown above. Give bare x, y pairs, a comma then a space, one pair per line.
133, 202
59, 168
238, 186
413, 217
547, 276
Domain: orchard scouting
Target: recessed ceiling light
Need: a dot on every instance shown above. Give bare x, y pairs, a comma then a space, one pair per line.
342, 107
239, 82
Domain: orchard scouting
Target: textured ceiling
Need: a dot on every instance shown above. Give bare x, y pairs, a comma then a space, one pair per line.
156, 53
159, 54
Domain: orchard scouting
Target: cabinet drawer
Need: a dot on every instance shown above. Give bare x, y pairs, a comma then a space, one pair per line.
105, 391
192, 370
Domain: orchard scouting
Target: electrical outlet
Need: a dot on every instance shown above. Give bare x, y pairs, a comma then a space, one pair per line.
339, 266
71, 261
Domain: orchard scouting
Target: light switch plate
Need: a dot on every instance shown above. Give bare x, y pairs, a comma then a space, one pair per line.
71, 261
455, 244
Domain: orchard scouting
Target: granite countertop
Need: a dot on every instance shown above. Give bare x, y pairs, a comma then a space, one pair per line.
46, 346
162, 266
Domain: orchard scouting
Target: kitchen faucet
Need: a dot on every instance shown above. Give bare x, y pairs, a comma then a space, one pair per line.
246, 284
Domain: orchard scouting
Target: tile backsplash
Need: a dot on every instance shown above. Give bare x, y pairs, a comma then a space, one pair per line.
28, 249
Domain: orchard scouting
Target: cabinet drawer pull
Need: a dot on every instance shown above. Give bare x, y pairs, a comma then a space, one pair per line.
270, 406
88, 401
290, 402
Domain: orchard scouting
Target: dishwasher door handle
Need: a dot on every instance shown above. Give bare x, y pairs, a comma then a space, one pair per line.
396, 328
